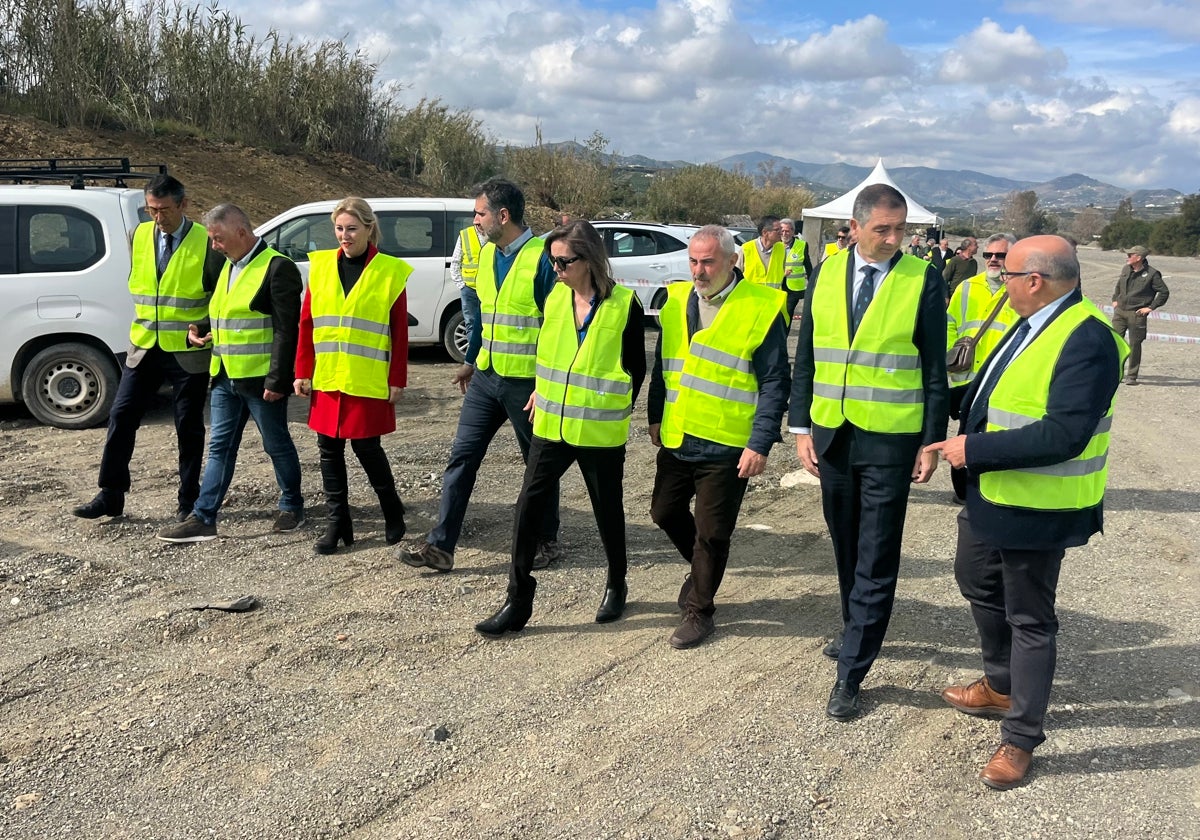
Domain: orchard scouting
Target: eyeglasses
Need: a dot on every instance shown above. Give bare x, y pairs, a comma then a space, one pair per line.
1004, 275
995, 255
561, 263
841, 236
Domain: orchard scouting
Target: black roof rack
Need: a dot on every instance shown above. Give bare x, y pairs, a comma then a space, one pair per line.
77, 170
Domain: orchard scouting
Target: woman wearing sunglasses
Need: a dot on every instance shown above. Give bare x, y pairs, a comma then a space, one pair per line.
591, 362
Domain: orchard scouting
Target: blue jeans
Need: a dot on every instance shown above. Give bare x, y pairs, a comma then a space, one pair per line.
491, 399
229, 410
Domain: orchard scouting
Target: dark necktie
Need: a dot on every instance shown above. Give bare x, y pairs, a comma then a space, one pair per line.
977, 419
865, 292
167, 249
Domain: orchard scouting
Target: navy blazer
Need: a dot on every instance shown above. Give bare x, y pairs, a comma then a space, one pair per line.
929, 337
1081, 390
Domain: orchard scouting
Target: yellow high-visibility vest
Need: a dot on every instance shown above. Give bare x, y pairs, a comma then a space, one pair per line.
584, 395
511, 320
471, 246
797, 281
969, 307
164, 307
242, 337
352, 334
770, 274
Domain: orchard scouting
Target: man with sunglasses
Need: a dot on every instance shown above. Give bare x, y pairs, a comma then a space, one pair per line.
173, 274
1034, 444
1140, 290
515, 277
840, 243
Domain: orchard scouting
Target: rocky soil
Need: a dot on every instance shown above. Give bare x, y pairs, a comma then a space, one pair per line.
357, 701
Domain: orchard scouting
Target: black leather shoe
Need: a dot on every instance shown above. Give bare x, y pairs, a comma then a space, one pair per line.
511, 617
106, 503
612, 606
834, 649
843, 701
684, 591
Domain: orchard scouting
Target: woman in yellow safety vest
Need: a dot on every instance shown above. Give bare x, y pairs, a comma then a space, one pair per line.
591, 361
352, 358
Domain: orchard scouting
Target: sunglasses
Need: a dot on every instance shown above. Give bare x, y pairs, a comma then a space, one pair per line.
841, 236
561, 263
998, 255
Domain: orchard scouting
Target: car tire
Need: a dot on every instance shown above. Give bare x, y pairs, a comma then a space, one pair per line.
658, 302
455, 336
70, 386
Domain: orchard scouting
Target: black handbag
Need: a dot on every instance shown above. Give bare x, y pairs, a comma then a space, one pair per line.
961, 355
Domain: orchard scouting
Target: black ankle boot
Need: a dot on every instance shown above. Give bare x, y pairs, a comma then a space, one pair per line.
335, 529
393, 515
612, 606
511, 617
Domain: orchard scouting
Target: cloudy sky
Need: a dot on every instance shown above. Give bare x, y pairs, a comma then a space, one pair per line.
1028, 89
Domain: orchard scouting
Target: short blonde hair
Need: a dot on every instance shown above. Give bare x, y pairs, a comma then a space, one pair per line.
359, 209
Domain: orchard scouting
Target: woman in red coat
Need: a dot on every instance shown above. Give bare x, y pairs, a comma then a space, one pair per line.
352, 360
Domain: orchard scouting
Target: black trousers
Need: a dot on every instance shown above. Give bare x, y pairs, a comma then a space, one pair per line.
136, 391
603, 472
1012, 594
701, 539
864, 506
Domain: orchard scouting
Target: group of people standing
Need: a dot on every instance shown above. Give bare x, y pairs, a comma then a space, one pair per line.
557, 350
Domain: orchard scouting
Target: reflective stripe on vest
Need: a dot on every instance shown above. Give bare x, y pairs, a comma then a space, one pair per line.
583, 394
875, 381
969, 307
163, 307
755, 271
471, 246
797, 281
1020, 399
242, 337
510, 318
352, 335
712, 390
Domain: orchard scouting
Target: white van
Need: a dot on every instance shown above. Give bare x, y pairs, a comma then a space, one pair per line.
65, 307
421, 231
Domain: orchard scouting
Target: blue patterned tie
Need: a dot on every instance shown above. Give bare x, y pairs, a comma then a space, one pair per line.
165, 257
977, 419
865, 293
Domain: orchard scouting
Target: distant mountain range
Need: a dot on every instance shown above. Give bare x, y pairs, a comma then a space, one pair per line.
938, 189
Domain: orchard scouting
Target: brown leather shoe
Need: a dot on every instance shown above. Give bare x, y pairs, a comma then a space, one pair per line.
978, 698
1007, 768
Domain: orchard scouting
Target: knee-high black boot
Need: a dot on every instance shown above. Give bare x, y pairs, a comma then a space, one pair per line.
379, 472
333, 478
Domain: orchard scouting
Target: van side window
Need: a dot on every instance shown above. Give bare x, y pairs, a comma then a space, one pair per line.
413, 233
58, 239
8, 240
298, 237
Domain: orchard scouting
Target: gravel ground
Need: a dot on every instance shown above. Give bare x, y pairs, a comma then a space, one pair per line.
358, 702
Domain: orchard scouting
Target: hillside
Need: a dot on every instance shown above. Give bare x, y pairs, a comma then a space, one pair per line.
262, 183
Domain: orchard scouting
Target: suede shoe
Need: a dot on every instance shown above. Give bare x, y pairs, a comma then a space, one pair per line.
834, 648
106, 503
548, 551
191, 530
287, 520
612, 605
978, 698
843, 701
684, 591
695, 629
427, 555
1008, 767
182, 513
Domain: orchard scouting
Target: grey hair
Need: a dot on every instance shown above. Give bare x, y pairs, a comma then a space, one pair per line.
791, 222
877, 195
722, 235
996, 237
227, 214
1059, 267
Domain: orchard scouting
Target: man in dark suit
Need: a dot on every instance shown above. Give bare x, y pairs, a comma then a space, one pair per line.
868, 392
1034, 443
256, 319
173, 273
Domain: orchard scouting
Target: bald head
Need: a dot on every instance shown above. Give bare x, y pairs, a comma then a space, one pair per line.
1040, 270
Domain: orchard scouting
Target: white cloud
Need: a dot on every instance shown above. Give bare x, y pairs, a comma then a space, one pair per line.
1185, 120
1175, 20
992, 57
857, 49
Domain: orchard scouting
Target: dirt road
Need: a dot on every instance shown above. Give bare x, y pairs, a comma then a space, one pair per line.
358, 702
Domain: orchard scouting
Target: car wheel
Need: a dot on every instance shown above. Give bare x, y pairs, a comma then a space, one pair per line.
658, 302
455, 336
71, 386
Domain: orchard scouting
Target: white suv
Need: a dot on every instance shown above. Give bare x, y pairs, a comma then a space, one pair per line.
65, 307
647, 257
421, 231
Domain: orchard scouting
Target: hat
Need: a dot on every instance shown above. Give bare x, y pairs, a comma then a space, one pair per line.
1140, 250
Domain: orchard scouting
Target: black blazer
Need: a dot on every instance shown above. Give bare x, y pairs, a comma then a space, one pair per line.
1081, 389
279, 296
929, 337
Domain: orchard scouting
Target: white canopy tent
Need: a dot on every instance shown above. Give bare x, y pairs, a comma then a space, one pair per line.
842, 207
